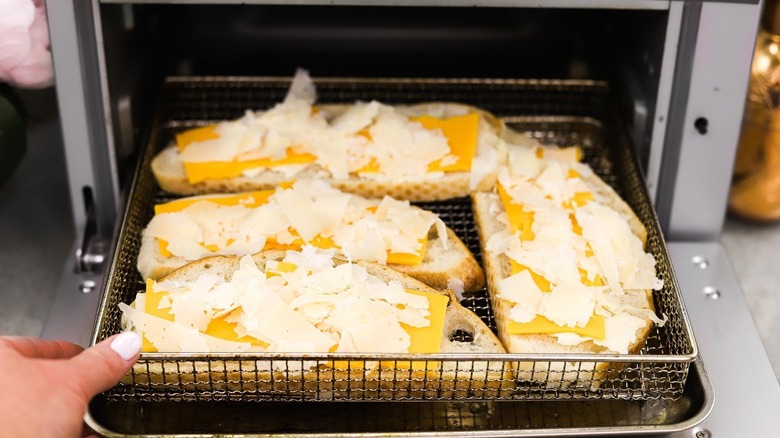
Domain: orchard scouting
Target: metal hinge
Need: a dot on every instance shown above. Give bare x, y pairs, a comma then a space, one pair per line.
91, 254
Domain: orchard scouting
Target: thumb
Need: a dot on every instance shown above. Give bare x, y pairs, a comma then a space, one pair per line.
100, 367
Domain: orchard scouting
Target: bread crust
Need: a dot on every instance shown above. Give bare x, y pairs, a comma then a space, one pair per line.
338, 379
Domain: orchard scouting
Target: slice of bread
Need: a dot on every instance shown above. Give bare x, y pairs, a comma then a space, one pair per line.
447, 263
487, 209
169, 170
271, 376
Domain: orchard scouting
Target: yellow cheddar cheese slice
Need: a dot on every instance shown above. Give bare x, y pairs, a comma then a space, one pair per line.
462, 133
541, 282
204, 133
428, 339
198, 172
249, 200
201, 171
519, 219
423, 339
280, 268
595, 328
220, 328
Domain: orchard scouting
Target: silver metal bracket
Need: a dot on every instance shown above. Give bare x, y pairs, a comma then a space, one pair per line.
91, 253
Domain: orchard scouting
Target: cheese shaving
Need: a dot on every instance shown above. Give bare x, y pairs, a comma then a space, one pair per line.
310, 211
369, 138
570, 241
310, 304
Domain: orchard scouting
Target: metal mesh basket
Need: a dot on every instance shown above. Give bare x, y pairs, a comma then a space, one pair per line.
555, 112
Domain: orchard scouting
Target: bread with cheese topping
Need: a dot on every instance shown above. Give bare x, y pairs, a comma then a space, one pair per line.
462, 332
423, 152
169, 169
309, 205
548, 241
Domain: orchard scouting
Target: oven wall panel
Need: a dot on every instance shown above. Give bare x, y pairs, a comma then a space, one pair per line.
697, 167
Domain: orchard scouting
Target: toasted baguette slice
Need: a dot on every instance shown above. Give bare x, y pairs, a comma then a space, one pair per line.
169, 170
447, 263
453, 267
463, 332
487, 208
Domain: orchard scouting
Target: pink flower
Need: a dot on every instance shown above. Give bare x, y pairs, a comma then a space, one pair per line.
25, 58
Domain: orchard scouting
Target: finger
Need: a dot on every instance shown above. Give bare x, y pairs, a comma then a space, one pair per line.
41, 348
100, 367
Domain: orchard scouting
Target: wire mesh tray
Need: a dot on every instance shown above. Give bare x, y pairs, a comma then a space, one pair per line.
556, 113
407, 419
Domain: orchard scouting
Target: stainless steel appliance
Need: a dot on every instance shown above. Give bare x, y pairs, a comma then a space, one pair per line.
676, 72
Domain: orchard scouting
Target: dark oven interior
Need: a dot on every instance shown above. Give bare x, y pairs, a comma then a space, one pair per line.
143, 44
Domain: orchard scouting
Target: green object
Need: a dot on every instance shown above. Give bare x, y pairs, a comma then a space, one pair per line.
13, 139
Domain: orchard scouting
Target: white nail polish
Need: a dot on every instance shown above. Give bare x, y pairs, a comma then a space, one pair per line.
127, 345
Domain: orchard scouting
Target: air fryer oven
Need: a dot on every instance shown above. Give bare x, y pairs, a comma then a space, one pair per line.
676, 75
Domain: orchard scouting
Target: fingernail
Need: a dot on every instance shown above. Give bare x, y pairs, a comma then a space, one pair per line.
127, 345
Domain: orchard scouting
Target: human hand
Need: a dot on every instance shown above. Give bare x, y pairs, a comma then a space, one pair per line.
45, 386
25, 56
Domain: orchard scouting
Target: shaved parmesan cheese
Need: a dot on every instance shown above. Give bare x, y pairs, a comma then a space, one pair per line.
483, 164
357, 117
176, 338
569, 338
181, 232
486, 157
620, 332
500, 242
292, 203
524, 163
381, 335
223, 148
302, 87
590, 219
521, 314
568, 154
309, 211
521, 289
372, 245
577, 242
165, 303
569, 305
310, 258
346, 344
284, 326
